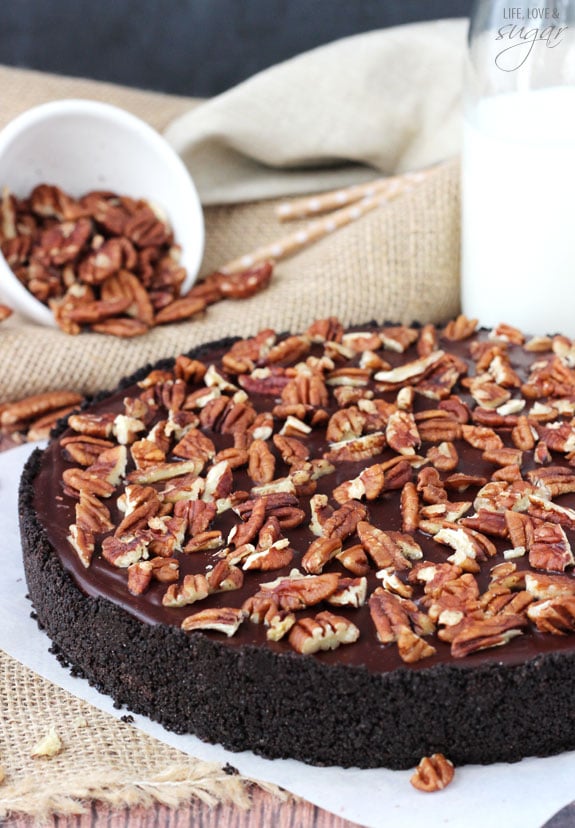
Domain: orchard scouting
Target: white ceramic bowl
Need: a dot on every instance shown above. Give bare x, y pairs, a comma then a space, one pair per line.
82, 145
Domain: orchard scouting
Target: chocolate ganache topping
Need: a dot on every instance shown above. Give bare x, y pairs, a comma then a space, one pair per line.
387, 496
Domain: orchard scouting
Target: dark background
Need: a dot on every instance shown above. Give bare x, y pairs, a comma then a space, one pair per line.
188, 47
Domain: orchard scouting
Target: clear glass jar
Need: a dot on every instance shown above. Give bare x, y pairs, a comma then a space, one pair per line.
518, 166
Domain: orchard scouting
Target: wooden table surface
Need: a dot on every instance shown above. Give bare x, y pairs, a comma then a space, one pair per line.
266, 812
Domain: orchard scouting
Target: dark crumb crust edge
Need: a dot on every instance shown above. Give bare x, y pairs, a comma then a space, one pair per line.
286, 705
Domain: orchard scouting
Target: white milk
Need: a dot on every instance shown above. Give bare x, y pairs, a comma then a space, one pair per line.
518, 233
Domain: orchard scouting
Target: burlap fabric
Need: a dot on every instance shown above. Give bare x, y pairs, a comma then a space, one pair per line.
100, 757
400, 262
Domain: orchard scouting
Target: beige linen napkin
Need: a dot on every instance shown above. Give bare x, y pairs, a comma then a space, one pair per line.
386, 101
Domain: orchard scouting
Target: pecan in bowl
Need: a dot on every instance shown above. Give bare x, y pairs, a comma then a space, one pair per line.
107, 263
84, 146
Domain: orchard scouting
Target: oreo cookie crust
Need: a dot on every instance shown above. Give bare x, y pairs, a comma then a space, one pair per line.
362, 703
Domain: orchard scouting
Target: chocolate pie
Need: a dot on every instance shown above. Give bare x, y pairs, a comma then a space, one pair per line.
346, 547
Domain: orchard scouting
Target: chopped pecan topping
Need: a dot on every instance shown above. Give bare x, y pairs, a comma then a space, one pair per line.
202, 541
481, 634
351, 592
481, 437
346, 424
276, 556
460, 328
354, 559
361, 448
296, 593
398, 338
383, 548
165, 471
81, 539
194, 445
85, 450
344, 521
409, 507
325, 631
556, 480
219, 619
246, 532
121, 552
402, 434
319, 553
325, 330
408, 374
392, 615
488, 394
550, 549
443, 457
412, 647
224, 457
555, 615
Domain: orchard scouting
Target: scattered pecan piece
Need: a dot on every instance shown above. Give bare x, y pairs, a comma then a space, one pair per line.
460, 328
351, 592
244, 283
433, 773
5, 312
326, 330
180, 309
361, 448
123, 327
32, 407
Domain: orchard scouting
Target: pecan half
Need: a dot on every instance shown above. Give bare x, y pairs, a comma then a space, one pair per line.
344, 521
261, 462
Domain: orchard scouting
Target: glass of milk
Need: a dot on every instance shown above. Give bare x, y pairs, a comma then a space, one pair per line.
518, 166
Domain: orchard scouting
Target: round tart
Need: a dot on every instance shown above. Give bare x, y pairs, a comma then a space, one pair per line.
344, 547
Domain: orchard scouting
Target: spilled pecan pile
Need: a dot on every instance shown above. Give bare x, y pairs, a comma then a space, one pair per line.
32, 418
408, 491
106, 262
